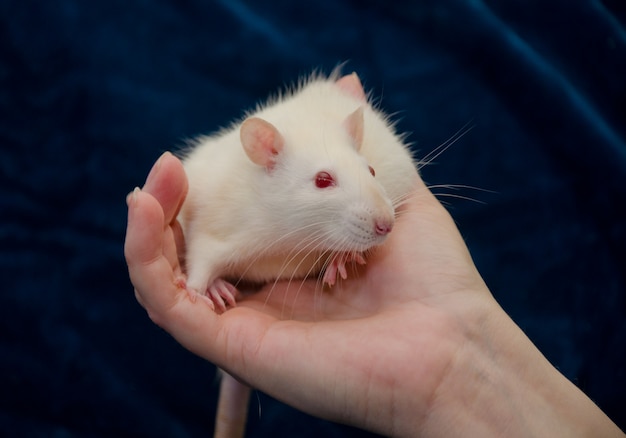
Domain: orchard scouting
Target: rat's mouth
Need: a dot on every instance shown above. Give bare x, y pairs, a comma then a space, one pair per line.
361, 238
356, 242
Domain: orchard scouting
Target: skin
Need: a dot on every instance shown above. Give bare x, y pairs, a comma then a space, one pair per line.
412, 344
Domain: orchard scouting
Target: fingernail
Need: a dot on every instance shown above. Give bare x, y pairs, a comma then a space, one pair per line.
131, 198
156, 167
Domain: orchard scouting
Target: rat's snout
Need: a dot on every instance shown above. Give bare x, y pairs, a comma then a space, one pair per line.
383, 226
363, 226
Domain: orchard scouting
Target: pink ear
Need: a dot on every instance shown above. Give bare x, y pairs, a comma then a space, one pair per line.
351, 84
354, 126
261, 141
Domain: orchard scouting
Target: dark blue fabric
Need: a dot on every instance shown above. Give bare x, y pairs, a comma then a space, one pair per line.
92, 92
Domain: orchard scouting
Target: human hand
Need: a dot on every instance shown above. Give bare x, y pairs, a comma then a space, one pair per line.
398, 348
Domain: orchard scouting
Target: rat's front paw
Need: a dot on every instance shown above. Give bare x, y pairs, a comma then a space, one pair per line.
222, 294
337, 266
218, 295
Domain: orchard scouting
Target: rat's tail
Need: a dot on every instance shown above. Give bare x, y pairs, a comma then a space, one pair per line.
232, 408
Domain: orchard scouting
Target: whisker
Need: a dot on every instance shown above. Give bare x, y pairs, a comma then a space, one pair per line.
289, 257
315, 245
263, 248
312, 244
435, 153
458, 187
399, 200
454, 195
326, 257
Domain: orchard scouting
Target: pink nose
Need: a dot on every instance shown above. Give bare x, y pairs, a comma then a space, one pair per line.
383, 227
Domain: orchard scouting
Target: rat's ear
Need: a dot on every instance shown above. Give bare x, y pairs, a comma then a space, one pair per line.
351, 84
261, 141
354, 126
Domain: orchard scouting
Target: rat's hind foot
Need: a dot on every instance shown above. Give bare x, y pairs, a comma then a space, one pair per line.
338, 266
222, 294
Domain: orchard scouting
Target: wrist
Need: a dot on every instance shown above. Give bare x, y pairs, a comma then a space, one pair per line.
499, 384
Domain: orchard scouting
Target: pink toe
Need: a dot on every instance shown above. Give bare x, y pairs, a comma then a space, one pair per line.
216, 298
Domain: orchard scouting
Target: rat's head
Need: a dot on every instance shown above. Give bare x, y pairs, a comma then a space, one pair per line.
321, 191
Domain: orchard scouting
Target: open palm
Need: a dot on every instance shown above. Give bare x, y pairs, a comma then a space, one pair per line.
329, 351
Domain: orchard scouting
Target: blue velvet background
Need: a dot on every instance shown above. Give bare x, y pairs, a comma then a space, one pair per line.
92, 92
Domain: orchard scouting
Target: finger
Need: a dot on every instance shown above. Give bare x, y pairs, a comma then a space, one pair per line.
157, 285
148, 268
179, 241
144, 231
172, 247
167, 182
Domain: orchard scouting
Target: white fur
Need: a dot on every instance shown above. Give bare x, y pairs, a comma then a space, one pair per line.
242, 221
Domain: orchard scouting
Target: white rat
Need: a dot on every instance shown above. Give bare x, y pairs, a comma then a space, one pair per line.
304, 185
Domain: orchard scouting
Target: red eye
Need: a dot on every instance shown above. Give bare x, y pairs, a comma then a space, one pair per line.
372, 171
324, 180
